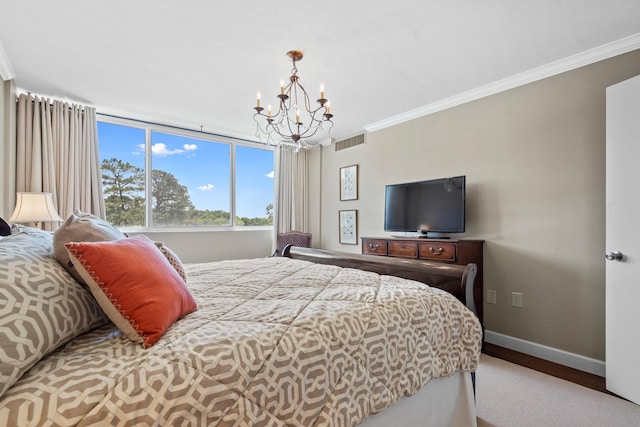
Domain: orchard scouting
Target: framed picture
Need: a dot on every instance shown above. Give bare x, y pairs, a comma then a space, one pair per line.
349, 183
348, 224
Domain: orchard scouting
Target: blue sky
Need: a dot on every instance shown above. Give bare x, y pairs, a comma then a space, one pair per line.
202, 166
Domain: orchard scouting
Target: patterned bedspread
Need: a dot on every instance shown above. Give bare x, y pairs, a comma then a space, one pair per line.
275, 342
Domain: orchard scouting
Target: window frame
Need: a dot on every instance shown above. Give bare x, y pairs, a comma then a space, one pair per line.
149, 128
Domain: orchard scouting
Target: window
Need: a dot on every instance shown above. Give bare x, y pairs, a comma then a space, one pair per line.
190, 181
156, 178
254, 186
122, 173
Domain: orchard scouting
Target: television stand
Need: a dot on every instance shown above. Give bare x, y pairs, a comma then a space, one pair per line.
452, 251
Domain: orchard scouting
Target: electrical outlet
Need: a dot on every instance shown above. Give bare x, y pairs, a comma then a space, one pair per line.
516, 299
491, 296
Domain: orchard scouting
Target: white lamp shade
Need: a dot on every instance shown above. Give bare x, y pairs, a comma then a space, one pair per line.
34, 207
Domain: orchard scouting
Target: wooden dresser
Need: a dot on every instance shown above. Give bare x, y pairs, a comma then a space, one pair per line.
455, 251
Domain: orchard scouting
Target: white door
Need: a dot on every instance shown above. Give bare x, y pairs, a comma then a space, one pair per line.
623, 240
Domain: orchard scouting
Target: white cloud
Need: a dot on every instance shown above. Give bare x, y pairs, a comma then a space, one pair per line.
206, 187
271, 175
160, 149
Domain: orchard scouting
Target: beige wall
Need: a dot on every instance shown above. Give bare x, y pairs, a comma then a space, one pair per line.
535, 167
203, 246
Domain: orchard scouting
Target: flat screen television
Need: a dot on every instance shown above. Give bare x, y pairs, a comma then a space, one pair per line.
430, 208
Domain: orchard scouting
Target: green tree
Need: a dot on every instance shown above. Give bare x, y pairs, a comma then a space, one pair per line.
170, 200
240, 221
123, 185
269, 212
208, 218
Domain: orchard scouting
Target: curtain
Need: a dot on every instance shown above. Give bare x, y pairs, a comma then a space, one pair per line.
57, 153
291, 210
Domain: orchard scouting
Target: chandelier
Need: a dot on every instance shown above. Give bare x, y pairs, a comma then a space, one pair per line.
295, 120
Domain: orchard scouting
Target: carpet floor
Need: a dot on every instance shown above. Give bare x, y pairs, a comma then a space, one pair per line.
510, 395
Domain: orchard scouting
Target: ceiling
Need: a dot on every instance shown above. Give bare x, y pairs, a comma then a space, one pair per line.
198, 64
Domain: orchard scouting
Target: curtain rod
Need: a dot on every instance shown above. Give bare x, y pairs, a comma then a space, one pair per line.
177, 127
42, 98
151, 123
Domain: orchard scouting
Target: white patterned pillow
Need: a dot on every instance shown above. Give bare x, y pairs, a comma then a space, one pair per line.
173, 259
41, 306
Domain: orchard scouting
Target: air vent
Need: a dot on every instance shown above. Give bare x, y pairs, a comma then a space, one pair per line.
349, 142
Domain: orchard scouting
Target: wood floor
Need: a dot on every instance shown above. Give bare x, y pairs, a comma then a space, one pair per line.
585, 379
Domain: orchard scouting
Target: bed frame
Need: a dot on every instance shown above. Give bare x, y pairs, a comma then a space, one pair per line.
455, 279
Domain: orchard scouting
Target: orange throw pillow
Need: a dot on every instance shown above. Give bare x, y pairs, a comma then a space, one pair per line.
134, 284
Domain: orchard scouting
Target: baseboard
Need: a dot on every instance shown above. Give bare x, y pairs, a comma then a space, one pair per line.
576, 361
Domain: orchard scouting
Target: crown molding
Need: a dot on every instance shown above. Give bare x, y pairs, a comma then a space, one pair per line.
600, 53
6, 70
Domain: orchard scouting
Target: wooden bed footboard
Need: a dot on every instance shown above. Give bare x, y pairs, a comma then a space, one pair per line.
455, 279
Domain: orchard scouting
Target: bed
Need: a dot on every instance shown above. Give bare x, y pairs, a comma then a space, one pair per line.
310, 338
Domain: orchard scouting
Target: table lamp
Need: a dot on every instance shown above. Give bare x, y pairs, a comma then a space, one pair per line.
34, 208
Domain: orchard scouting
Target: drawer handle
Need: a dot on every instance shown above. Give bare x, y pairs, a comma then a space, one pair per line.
435, 251
374, 247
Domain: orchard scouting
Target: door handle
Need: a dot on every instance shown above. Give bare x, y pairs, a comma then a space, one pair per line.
435, 251
614, 256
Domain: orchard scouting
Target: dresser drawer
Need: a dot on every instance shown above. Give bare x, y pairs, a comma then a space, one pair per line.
403, 249
441, 251
374, 247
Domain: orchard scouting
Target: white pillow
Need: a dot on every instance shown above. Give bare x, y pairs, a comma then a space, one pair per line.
81, 227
